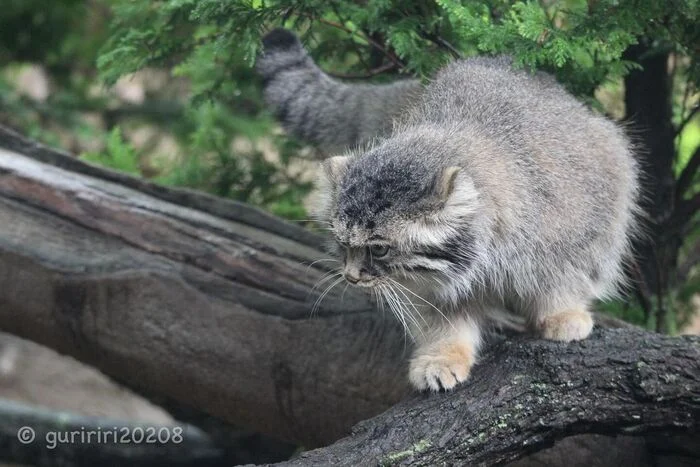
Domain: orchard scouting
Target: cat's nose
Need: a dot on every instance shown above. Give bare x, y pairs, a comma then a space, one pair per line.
351, 278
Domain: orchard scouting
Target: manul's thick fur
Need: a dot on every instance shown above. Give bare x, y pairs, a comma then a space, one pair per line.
492, 189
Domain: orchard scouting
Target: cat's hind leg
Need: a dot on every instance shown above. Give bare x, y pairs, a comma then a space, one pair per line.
561, 320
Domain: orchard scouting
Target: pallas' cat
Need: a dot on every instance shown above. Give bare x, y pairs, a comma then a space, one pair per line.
488, 189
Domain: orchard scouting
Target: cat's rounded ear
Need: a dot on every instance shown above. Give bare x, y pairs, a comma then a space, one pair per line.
335, 167
445, 183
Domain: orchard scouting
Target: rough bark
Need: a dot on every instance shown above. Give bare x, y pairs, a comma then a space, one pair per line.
206, 303
527, 393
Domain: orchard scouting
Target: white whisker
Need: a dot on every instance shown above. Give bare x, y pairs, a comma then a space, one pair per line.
323, 295
405, 313
342, 296
413, 306
322, 260
395, 311
424, 301
326, 277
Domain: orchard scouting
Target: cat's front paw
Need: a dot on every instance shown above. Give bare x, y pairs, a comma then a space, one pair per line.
566, 326
441, 366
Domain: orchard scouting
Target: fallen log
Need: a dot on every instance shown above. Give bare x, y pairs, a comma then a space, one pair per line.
199, 301
206, 304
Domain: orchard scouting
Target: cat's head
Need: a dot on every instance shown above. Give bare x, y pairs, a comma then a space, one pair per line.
398, 211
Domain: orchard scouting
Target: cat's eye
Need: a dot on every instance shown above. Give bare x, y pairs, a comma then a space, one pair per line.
378, 251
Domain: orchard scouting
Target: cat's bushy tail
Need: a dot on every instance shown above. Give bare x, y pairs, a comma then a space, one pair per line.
321, 110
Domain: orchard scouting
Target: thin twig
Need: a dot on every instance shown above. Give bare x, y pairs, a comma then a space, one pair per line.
684, 104
684, 212
448, 46
692, 259
354, 45
369, 74
442, 42
686, 120
689, 172
660, 310
642, 289
371, 41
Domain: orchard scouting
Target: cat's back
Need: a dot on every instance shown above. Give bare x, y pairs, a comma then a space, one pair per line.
489, 91
556, 165
532, 120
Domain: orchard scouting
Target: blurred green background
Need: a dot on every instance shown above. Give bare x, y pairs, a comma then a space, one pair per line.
166, 90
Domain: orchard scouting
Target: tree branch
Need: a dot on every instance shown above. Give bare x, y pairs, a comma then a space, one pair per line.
689, 172
681, 126
685, 211
525, 394
395, 60
692, 259
443, 43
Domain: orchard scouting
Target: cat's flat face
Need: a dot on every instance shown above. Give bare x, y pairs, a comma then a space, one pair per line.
367, 266
381, 261
393, 221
